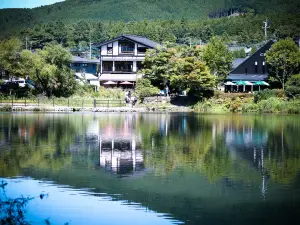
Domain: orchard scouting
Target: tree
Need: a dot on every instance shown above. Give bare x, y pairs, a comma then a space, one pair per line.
218, 58
284, 60
181, 67
50, 71
293, 87
82, 32
9, 55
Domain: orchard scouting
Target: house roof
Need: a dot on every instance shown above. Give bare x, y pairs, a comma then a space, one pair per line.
248, 77
87, 76
265, 46
77, 59
139, 39
237, 62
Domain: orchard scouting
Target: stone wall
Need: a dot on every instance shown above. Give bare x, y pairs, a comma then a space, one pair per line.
157, 99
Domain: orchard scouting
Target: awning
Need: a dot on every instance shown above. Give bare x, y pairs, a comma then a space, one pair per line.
228, 83
110, 82
120, 77
263, 83
126, 82
241, 82
248, 83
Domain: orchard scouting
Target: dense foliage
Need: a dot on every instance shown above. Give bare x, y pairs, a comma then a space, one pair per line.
144, 88
74, 21
284, 60
48, 69
181, 68
293, 87
218, 58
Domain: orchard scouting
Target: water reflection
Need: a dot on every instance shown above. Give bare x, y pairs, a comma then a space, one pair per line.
193, 168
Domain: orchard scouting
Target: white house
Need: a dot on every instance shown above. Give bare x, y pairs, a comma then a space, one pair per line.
121, 58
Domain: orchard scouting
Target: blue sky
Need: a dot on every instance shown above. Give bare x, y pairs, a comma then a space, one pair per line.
25, 3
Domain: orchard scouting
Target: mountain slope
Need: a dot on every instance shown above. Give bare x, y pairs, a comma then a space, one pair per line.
11, 20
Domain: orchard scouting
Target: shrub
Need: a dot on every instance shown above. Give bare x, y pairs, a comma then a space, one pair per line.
293, 87
144, 88
250, 107
235, 105
270, 105
6, 108
266, 94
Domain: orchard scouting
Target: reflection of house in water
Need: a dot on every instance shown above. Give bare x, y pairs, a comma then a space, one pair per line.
250, 144
119, 147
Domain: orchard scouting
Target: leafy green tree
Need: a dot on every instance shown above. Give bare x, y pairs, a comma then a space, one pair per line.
293, 87
218, 58
49, 70
82, 32
144, 88
253, 50
181, 67
284, 60
9, 56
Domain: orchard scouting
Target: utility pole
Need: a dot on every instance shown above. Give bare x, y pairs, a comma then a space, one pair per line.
26, 43
190, 42
265, 28
90, 49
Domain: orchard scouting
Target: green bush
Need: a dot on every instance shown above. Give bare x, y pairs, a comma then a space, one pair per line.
271, 105
293, 87
144, 88
235, 105
6, 108
266, 94
250, 107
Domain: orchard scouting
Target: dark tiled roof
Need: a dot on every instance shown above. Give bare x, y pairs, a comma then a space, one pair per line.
77, 59
237, 62
248, 77
135, 38
143, 40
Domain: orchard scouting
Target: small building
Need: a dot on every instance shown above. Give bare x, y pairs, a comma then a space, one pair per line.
84, 65
251, 70
121, 58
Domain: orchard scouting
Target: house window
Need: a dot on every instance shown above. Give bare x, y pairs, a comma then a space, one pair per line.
126, 47
76, 64
141, 50
139, 65
110, 49
84, 65
263, 67
107, 66
123, 66
256, 67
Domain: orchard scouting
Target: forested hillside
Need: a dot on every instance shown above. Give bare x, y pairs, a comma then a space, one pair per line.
73, 23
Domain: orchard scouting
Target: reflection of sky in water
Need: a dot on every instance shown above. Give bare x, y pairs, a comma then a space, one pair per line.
83, 206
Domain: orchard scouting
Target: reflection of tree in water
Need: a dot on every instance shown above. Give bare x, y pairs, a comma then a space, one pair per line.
224, 146
35, 141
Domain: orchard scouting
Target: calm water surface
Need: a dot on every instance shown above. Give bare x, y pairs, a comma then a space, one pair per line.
153, 168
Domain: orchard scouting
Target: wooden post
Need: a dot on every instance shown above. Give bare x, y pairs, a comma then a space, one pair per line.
68, 102
38, 102
25, 102
82, 104
53, 102
94, 103
12, 101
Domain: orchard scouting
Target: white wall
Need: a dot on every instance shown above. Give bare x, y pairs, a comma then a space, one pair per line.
115, 48
104, 50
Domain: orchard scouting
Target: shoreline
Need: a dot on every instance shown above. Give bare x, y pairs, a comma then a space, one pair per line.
8, 108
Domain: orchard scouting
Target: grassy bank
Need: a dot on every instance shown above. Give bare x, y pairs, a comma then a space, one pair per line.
270, 101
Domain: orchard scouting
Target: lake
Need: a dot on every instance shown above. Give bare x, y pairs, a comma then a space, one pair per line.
175, 168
